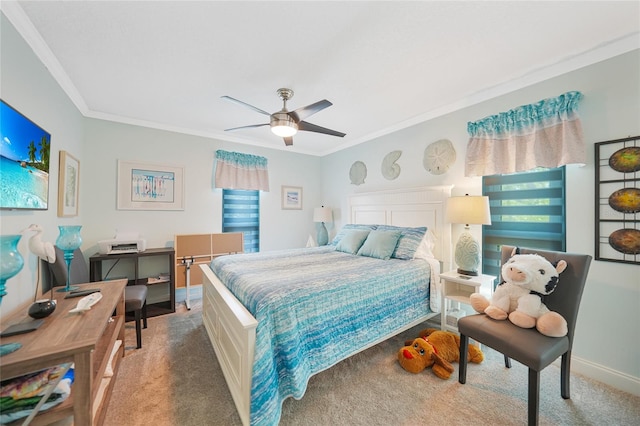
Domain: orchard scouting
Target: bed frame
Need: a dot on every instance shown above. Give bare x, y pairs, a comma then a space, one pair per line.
232, 328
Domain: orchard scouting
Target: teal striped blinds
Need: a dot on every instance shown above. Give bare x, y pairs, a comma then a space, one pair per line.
241, 213
527, 210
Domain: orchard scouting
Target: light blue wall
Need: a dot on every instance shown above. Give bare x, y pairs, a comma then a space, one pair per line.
610, 310
107, 142
26, 84
611, 107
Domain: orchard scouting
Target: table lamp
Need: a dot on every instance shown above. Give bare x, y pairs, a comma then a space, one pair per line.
468, 210
322, 215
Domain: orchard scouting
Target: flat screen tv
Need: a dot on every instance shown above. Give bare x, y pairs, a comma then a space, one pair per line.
24, 161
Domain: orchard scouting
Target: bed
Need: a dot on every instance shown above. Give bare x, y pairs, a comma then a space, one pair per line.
272, 331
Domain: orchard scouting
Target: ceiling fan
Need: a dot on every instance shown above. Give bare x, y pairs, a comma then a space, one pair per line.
286, 123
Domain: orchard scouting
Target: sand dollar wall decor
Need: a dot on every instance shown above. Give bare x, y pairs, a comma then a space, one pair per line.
439, 156
390, 169
358, 173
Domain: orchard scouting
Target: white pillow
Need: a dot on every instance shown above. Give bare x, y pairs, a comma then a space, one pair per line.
425, 248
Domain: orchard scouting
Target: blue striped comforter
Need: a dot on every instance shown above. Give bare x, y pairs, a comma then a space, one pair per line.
316, 307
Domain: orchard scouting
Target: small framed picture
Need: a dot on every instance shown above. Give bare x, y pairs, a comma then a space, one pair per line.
68, 185
291, 198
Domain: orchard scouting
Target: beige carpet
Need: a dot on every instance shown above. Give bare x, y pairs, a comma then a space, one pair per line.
175, 380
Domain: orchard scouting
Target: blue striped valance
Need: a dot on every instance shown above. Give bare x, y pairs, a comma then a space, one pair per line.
235, 170
545, 134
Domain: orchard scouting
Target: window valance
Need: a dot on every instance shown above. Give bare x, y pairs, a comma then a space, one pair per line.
235, 170
545, 134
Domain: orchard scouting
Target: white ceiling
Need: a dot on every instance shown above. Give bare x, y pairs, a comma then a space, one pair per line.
383, 65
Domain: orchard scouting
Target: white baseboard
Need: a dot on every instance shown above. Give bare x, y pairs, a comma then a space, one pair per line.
606, 375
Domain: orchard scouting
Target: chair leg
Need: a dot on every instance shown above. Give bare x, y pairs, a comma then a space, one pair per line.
464, 351
144, 314
138, 329
507, 361
565, 374
534, 393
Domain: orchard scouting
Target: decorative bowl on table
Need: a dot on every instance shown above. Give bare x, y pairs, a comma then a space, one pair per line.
42, 308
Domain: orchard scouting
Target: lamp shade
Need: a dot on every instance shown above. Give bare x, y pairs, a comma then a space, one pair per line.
469, 209
322, 214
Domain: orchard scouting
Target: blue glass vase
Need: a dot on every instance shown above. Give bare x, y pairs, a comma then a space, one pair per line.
68, 241
11, 262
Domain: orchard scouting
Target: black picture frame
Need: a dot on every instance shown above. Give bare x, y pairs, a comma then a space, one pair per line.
617, 200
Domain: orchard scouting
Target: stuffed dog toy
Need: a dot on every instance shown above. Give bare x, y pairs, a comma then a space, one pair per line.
527, 278
436, 349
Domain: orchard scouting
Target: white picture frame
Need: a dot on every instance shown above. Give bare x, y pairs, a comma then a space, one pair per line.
291, 197
148, 186
68, 185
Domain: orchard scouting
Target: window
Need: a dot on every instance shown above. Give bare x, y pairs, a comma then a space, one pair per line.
241, 213
527, 210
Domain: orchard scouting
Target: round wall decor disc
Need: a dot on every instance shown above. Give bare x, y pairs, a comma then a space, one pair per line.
358, 173
439, 156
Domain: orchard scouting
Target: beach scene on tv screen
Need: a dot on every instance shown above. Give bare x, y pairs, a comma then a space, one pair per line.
24, 161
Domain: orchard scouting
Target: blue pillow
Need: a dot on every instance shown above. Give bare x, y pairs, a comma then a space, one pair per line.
408, 242
352, 240
380, 244
348, 227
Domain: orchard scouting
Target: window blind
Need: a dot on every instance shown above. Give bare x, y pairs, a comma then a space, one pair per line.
241, 213
527, 210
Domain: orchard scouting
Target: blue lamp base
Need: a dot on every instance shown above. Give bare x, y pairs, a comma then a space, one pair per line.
323, 235
467, 254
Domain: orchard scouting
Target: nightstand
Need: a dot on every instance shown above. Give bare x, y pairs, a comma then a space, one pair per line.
457, 288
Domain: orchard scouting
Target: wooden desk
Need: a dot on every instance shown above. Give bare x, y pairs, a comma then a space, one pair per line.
161, 298
86, 339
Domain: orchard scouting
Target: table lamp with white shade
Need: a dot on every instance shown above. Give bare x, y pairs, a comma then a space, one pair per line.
323, 215
468, 210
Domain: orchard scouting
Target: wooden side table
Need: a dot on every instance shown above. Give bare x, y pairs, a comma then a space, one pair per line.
458, 288
86, 339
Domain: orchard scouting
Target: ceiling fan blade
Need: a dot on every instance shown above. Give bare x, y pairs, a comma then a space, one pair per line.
308, 127
245, 127
304, 112
256, 109
288, 141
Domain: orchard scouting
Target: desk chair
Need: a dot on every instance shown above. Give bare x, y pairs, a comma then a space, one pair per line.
135, 296
528, 346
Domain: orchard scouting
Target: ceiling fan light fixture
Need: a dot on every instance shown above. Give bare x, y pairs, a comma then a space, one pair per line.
285, 131
283, 125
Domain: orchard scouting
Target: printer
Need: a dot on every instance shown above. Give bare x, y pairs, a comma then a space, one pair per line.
123, 243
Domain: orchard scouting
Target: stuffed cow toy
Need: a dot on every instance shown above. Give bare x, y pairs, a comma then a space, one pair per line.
526, 279
436, 349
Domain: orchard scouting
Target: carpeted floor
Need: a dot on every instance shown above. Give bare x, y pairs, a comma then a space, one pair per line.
174, 379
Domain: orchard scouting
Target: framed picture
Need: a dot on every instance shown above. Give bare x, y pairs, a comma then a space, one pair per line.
68, 185
291, 197
617, 200
145, 186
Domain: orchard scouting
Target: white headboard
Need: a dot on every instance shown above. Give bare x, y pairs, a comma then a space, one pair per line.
423, 206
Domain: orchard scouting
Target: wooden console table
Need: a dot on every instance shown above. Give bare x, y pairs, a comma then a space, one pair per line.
86, 339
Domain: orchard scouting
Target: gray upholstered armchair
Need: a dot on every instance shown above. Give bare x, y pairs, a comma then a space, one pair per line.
528, 346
